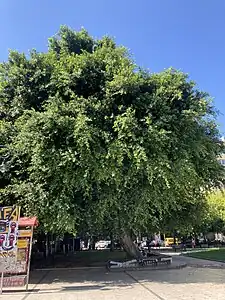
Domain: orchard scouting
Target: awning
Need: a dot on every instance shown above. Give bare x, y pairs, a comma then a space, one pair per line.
28, 221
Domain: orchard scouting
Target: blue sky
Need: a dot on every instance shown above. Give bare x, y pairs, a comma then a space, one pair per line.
188, 35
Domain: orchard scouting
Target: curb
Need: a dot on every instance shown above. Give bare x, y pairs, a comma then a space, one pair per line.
163, 268
170, 267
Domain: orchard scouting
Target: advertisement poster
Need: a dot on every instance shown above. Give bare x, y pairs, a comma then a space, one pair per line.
15, 247
9, 217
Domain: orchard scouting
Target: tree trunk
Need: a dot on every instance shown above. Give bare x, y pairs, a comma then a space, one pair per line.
129, 246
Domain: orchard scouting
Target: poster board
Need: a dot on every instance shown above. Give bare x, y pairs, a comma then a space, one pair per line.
9, 221
15, 253
24, 243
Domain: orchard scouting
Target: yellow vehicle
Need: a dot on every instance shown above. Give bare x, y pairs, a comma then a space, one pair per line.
169, 241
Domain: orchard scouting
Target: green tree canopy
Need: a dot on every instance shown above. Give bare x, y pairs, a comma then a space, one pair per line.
93, 139
213, 220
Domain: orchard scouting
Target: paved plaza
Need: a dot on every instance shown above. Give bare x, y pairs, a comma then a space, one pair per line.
199, 280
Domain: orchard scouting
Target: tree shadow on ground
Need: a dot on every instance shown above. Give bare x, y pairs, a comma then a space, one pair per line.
63, 281
122, 279
61, 289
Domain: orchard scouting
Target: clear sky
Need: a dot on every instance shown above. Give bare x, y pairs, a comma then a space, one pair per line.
185, 34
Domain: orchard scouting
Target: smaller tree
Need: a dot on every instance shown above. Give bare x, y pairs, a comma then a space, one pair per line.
214, 217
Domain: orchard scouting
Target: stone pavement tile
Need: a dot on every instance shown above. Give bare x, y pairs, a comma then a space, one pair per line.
136, 292
83, 285
185, 284
12, 297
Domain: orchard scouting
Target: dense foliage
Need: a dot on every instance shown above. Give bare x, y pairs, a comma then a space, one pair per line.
91, 140
213, 220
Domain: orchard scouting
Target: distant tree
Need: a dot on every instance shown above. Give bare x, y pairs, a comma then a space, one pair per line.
214, 217
91, 138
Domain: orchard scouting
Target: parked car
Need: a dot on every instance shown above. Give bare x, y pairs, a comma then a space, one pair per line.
101, 245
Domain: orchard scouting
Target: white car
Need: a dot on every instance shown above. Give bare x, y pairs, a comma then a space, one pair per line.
100, 245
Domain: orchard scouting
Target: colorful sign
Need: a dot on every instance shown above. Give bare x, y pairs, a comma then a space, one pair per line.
25, 233
21, 261
22, 243
9, 213
9, 217
14, 281
8, 237
15, 247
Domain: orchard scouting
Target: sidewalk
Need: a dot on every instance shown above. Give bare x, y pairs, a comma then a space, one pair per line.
197, 263
187, 283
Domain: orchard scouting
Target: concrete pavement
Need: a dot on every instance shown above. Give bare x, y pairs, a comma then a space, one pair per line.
82, 285
97, 284
198, 263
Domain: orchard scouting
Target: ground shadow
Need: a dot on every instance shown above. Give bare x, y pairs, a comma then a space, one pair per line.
63, 289
63, 281
103, 278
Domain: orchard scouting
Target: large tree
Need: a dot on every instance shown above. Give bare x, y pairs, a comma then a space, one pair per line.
91, 139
